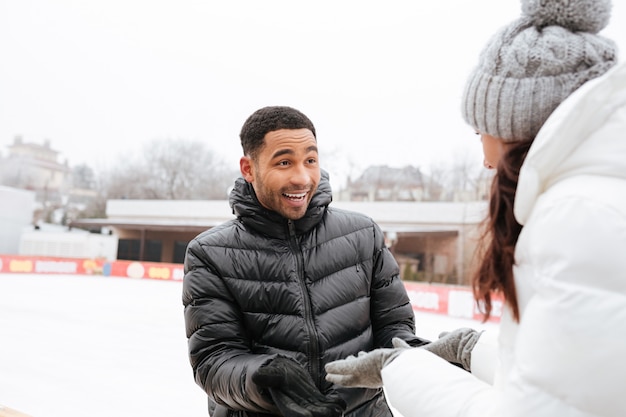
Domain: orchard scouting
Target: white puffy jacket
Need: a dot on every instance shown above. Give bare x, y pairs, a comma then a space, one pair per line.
567, 355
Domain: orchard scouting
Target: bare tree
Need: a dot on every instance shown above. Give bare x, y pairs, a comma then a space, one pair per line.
83, 177
341, 168
465, 178
171, 169
434, 183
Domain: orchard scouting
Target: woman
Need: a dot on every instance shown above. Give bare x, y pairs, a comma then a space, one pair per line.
555, 241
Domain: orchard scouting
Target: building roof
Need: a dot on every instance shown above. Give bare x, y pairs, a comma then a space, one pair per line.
199, 215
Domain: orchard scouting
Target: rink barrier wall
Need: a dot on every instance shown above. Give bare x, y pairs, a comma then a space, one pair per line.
450, 300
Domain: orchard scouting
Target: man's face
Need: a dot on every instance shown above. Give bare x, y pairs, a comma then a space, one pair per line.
286, 172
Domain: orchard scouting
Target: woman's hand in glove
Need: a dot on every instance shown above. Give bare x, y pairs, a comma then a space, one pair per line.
455, 346
364, 370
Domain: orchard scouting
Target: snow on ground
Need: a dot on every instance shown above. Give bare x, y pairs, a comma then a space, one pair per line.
93, 346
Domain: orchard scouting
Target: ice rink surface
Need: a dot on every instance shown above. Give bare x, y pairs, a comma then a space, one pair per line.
93, 346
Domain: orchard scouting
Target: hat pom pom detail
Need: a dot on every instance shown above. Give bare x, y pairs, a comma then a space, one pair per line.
576, 15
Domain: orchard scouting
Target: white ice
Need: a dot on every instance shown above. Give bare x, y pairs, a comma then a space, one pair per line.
93, 346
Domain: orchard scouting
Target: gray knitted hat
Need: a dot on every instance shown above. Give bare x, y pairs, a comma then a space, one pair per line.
529, 67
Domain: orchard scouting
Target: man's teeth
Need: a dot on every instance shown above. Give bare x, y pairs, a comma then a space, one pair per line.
301, 195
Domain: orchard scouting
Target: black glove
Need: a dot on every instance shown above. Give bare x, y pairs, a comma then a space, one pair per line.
293, 391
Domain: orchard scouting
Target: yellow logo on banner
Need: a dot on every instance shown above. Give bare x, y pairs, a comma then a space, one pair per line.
20, 266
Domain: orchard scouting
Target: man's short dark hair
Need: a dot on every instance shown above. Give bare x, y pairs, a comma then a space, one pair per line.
269, 119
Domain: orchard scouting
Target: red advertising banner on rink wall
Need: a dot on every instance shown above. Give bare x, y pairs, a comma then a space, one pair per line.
451, 300
123, 269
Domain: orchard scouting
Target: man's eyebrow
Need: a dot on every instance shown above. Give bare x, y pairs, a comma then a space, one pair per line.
282, 152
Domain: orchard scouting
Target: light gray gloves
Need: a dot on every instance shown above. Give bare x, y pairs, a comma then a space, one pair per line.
455, 346
364, 369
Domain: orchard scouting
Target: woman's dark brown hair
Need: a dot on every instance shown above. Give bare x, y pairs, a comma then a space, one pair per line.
497, 243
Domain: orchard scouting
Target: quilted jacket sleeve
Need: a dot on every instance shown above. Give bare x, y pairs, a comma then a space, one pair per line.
392, 314
420, 384
218, 347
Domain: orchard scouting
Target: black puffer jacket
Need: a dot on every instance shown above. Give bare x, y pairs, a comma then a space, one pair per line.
316, 289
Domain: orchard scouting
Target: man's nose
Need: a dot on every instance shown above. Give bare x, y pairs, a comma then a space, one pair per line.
299, 175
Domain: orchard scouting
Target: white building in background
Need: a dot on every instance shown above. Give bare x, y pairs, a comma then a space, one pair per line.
33, 166
20, 235
60, 241
16, 213
432, 241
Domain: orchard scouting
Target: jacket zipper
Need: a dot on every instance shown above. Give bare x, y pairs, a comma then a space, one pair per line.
313, 352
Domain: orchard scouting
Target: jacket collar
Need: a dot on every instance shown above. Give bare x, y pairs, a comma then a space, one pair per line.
250, 212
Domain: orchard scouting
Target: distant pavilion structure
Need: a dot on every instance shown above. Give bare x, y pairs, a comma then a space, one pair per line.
432, 241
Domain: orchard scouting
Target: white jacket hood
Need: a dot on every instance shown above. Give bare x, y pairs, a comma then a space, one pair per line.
578, 138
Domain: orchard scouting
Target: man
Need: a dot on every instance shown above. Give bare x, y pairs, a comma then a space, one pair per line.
289, 285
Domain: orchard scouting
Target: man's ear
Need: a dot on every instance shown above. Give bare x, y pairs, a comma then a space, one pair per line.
246, 167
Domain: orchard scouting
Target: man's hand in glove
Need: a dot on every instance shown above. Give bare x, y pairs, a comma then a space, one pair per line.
364, 370
293, 391
455, 346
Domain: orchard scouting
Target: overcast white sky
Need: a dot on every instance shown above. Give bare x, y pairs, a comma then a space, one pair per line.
380, 80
